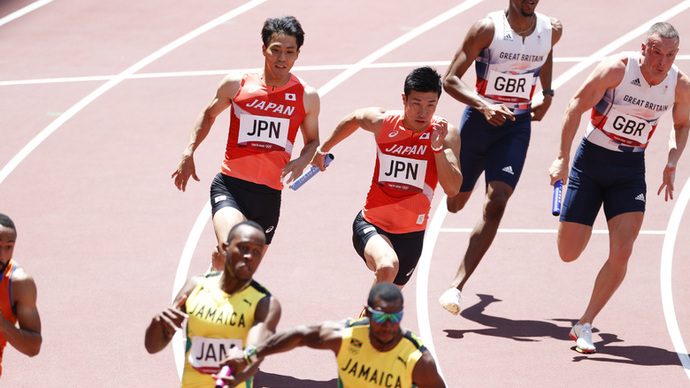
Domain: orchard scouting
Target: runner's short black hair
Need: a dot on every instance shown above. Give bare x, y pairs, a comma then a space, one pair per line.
287, 25
386, 291
6, 221
251, 223
423, 79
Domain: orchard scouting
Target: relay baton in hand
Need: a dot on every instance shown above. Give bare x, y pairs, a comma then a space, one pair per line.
225, 371
310, 173
557, 194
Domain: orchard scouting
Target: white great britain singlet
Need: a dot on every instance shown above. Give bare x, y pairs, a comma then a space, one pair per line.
507, 70
626, 117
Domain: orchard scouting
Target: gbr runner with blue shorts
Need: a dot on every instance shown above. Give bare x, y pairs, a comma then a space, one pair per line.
511, 49
627, 94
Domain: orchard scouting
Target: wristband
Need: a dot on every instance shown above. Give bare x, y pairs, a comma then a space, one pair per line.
322, 153
548, 92
436, 150
250, 355
671, 168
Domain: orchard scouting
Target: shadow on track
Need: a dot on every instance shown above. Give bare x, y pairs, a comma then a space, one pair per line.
533, 330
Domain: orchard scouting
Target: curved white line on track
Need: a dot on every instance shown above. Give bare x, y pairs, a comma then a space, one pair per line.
432, 232
72, 111
340, 78
422, 283
666, 277
76, 108
332, 84
21, 12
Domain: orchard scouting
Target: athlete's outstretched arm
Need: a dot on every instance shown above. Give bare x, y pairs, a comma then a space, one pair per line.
369, 119
266, 320
326, 335
607, 75
202, 126
164, 324
540, 106
679, 136
478, 37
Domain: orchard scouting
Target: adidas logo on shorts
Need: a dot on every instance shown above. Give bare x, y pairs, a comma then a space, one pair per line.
640, 197
509, 170
636, 82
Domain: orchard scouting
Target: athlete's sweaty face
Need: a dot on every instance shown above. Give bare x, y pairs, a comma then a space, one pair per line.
281, 54
419, 110
659, 54
245, 252
7, 238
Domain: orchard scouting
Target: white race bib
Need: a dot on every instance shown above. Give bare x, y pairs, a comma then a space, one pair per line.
263, 132
509, 85
206, 354
628, 127
402, 173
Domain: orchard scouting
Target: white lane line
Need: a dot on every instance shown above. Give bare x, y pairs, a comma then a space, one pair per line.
21, 12
422, 283
432, 233
666, 277
616, 44
178, 341
111, 83
352, 70
76, 108
297, 69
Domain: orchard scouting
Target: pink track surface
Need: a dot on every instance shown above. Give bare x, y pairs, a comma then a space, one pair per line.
102, 228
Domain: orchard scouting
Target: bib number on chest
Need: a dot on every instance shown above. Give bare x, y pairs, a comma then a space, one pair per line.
263, 132
509, 85
627, 127
206, 354
402, 173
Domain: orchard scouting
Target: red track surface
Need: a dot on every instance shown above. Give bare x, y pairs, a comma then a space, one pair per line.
102, 228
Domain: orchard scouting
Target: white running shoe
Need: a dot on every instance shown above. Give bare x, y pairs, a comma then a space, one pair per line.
450, 300
582, 334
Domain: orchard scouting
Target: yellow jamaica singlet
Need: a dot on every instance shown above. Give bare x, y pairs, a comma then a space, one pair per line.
360, 365
217, 321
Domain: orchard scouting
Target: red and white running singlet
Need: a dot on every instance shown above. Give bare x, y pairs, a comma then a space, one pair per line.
626, 117
263, 125
507, 70
404, 178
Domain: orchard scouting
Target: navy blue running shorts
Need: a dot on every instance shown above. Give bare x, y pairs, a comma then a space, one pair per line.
598, 175
407, 246
499, 152
257, 202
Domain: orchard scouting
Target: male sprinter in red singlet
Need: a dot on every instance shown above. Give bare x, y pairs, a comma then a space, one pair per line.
371, 353
415, 151
268, 108
627, 94
511, 48
17, 298
223, 310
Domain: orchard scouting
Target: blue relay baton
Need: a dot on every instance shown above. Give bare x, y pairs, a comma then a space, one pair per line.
313, 170
557, 195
